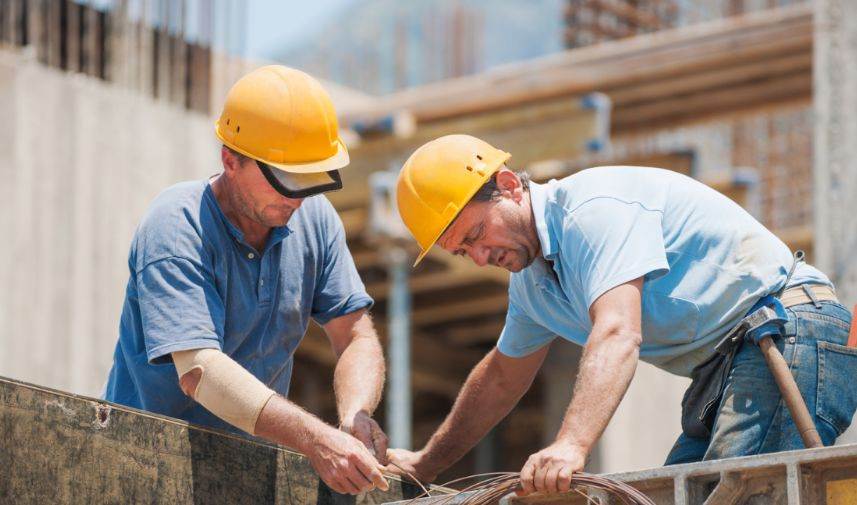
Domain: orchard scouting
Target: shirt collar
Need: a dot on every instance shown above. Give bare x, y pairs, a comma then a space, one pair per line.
539, 195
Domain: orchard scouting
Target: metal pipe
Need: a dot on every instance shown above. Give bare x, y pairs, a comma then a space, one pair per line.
399, 345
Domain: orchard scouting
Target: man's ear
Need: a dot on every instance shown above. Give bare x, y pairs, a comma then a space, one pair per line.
509, 184
229, 160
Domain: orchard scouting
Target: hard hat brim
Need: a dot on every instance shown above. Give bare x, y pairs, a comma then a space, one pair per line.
335, 162
292, 185
339, 160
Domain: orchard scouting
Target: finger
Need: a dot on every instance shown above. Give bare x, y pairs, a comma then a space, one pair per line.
527, 476
381, 482
355, 483
335, 484
539, 479
370, 472
380, 442
551, 478
563, 479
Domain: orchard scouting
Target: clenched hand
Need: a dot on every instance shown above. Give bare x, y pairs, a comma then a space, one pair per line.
364, 428
550, 470
344, 463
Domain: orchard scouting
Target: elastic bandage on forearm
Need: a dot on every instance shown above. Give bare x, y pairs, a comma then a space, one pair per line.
225, 388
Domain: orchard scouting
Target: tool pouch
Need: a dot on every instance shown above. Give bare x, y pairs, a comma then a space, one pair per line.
702, 399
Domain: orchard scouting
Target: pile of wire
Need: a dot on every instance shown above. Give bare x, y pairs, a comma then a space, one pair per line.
499, 484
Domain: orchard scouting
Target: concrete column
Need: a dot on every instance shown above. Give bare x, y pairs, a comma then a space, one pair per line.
835, 150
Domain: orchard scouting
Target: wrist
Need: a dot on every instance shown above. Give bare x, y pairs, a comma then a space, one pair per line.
316, 434
427, 465
571, 444
348, 417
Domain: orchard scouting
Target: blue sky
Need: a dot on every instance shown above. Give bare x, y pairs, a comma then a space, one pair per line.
272, 24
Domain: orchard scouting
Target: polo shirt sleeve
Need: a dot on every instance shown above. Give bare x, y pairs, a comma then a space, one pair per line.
521, 335
180, 308
339, 290
611, 242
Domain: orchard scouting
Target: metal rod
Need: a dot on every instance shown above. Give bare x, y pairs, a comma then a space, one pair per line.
791, 393
398, 320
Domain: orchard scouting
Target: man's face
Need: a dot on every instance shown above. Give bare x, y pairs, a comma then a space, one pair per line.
499, 232
258, 201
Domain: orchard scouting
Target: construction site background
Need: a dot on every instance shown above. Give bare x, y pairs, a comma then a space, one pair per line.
103, 110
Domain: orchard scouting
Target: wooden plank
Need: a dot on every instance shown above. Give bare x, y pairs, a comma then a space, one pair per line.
659, 55
435, 281
425, 375
441, 313
711, 104
62, 448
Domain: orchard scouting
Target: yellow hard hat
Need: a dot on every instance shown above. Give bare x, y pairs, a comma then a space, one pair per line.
439, 179
284, 119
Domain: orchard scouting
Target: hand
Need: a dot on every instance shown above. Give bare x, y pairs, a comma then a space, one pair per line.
344, 463
364, 428
550, 470
408, 464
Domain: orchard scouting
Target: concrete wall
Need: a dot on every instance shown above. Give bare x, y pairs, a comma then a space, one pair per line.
835, 161
79, 161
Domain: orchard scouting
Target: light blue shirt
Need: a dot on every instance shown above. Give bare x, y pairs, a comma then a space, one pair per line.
196, 283
705, 261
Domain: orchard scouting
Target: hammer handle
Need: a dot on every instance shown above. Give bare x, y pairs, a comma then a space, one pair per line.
791, 393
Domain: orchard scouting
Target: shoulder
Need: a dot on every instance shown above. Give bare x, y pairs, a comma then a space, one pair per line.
178, 202
318, 216
173, 224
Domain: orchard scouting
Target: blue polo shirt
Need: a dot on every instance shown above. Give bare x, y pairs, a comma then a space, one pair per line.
705, 261
195, 283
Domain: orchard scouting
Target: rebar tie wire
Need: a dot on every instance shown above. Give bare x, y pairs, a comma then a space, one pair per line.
496, 485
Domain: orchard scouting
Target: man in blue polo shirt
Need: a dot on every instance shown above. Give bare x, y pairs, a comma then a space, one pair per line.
630, 263
226, 274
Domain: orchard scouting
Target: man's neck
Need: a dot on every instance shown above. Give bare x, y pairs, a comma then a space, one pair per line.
255, 234
532, 224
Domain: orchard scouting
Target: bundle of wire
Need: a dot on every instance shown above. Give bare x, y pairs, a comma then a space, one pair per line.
499, 484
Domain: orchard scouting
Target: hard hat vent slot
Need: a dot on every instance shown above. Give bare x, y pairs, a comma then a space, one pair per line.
238, 129
227, 122
478, 156
469, 168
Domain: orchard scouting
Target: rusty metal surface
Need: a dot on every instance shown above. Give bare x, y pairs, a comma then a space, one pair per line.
823, 476
61, 448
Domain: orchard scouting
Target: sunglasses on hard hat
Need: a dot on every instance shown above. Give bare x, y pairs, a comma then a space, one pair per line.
292, 185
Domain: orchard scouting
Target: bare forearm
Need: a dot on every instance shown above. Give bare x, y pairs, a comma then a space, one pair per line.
285, 423
597, 394
487, 392
359, 377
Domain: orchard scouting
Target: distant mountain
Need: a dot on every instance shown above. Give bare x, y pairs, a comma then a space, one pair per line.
379, 46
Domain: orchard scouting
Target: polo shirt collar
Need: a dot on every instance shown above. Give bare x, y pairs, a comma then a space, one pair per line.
539, 195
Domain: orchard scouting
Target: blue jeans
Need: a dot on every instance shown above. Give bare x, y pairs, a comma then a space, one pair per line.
752, 418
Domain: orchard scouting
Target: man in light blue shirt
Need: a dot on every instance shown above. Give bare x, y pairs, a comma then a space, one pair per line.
630, 263
226, 273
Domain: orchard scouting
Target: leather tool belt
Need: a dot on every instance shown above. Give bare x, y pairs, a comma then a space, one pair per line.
766, 318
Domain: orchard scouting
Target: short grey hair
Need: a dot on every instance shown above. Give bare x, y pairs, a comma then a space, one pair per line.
489, 191
242, 158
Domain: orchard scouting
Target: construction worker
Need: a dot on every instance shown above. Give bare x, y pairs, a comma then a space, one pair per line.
630, 263
226, 273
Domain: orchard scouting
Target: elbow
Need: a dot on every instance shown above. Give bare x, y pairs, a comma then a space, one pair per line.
189, 382
621, 340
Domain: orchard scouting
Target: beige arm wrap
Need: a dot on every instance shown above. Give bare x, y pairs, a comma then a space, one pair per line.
225, 388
